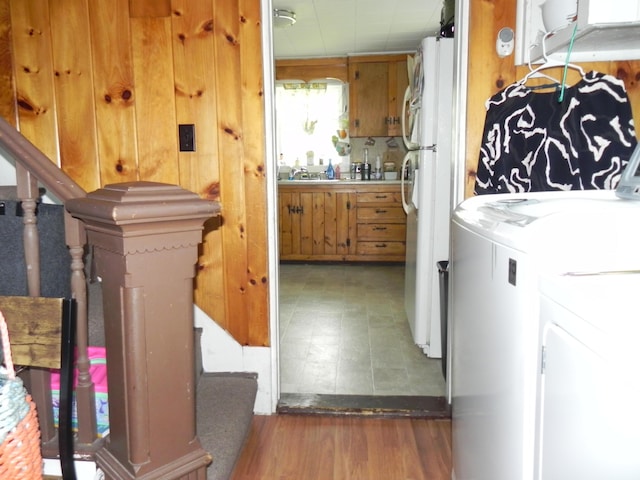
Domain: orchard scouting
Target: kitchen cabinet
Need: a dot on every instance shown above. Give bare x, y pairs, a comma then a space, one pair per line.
376, 93
354, 221
381, 230
316, 223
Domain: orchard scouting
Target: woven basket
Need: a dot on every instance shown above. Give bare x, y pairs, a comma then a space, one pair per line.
20, 456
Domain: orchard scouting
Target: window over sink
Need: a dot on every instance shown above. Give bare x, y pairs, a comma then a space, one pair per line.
311, 120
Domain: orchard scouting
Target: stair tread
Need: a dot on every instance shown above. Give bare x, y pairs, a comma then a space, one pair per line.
225, 404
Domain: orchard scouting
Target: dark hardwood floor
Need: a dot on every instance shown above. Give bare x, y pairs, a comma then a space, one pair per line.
322, 447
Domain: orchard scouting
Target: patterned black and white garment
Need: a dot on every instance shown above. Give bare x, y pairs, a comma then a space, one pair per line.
533, 142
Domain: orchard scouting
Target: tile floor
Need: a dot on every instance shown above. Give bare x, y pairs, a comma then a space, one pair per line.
343, 331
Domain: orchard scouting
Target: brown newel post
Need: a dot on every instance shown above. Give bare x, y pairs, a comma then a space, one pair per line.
145, 237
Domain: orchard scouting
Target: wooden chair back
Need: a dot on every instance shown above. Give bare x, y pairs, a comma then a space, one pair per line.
42, 335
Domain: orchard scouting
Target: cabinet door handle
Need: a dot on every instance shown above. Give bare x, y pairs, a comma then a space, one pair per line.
381, 211
379, 228
381, 196
381, 245
296, 209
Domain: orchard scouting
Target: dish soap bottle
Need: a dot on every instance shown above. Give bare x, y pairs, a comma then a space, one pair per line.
330, 171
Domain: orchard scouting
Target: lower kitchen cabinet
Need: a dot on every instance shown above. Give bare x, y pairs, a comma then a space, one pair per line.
381, 230
316, 224
341, 222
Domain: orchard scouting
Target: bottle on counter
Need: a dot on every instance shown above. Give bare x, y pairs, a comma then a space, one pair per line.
378, 171
337, 172
366, 166
330, 171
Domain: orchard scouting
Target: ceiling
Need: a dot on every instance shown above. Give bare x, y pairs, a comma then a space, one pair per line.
327, 28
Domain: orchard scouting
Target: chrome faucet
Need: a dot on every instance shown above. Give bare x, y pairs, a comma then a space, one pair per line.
296, 170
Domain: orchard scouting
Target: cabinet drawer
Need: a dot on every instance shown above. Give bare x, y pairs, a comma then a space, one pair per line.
380, 248
381, 214
379, 197
384, 231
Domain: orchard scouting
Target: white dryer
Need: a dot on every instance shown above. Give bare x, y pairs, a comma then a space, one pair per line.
501, 245
589, 420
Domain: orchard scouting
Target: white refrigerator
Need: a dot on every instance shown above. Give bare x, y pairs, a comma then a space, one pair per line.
426, 190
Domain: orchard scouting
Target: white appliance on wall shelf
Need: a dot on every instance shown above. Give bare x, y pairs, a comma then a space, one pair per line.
426, 189
603, 30
501, 246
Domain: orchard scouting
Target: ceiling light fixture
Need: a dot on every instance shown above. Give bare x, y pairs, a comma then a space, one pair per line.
283, 18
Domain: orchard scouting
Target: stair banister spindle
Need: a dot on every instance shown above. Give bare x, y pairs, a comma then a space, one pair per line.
76, 239
32, 166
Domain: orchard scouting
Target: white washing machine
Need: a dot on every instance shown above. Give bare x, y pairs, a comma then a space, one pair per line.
501, 245
589, 420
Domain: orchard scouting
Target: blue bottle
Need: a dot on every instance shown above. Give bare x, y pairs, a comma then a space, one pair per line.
330, 171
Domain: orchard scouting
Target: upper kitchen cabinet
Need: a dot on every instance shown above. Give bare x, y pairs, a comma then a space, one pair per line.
376, 91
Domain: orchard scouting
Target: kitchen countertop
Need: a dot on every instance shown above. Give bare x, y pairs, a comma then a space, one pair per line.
346, 181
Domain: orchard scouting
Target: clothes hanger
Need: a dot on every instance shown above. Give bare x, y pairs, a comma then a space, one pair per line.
537, 72
549, 63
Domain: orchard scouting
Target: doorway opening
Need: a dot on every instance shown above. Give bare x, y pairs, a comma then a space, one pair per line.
345, 342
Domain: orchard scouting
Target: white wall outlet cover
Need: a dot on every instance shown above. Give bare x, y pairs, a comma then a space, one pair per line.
504, 42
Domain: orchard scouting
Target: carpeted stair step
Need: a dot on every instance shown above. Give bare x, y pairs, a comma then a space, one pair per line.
224, 412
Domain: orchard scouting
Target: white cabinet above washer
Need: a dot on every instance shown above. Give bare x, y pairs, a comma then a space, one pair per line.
606, 30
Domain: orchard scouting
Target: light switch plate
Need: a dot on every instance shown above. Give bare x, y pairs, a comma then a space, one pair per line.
187, 137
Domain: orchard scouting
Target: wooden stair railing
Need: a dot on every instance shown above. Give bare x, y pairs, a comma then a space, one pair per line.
145, 239
34, 168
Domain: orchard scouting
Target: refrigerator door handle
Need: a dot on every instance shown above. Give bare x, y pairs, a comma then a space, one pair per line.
403, 180
407, 130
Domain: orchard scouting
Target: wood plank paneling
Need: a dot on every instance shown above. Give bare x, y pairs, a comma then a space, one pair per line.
253, 110
488, 73
73, 83
343, 211
330, 222
232, 186
149, 8
318, 223
195, 90
7, 97
129, 72
31, 40
306, 223
114, 91
155, 99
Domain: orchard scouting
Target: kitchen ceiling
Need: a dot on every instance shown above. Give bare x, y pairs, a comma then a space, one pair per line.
328, 28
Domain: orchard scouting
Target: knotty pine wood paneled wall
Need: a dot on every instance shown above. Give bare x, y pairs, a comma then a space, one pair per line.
488, 73
100, 87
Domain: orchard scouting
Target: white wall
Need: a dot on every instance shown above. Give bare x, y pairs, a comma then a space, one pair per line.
7, 170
